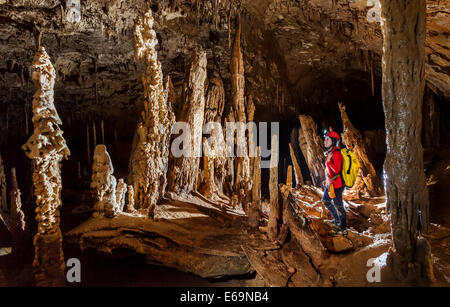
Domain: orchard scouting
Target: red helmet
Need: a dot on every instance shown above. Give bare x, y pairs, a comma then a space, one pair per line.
334, 135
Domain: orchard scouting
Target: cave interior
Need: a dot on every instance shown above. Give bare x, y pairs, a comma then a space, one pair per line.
76, 75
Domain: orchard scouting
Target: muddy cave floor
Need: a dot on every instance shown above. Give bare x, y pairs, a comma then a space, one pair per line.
197, 242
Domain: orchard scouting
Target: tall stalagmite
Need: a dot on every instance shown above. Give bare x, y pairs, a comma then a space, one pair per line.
403, 86
214, 106
255, 209
353, 140
150, 154
185, 169
47, 148
312, 148
104, 184
242, 176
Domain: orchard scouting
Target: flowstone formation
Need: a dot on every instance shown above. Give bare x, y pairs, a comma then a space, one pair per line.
47, 148
150, 153
104, 184
403, 88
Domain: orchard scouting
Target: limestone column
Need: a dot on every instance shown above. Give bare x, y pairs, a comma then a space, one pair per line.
403, 26
243, 181
150, 152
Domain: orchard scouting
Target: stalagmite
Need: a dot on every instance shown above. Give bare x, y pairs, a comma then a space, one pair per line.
243, 181
130, 200
312, 148
275, 214
297, 171
209, 188
104, 183
17, 219
403, 86
121, 193
26, 118
352, 139
46, 147
214, 106
150, 153
186, 169
230, 162
3, 201
255, 209
289, 177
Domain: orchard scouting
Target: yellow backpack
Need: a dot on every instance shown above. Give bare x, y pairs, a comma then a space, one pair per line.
350, 167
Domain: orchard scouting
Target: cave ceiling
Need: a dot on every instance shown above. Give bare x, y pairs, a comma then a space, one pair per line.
289, 48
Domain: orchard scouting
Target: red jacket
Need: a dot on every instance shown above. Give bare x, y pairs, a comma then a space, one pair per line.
334, 166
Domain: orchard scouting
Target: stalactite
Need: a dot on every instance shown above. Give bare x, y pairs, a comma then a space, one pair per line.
46, 147
150, 152
352, 138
